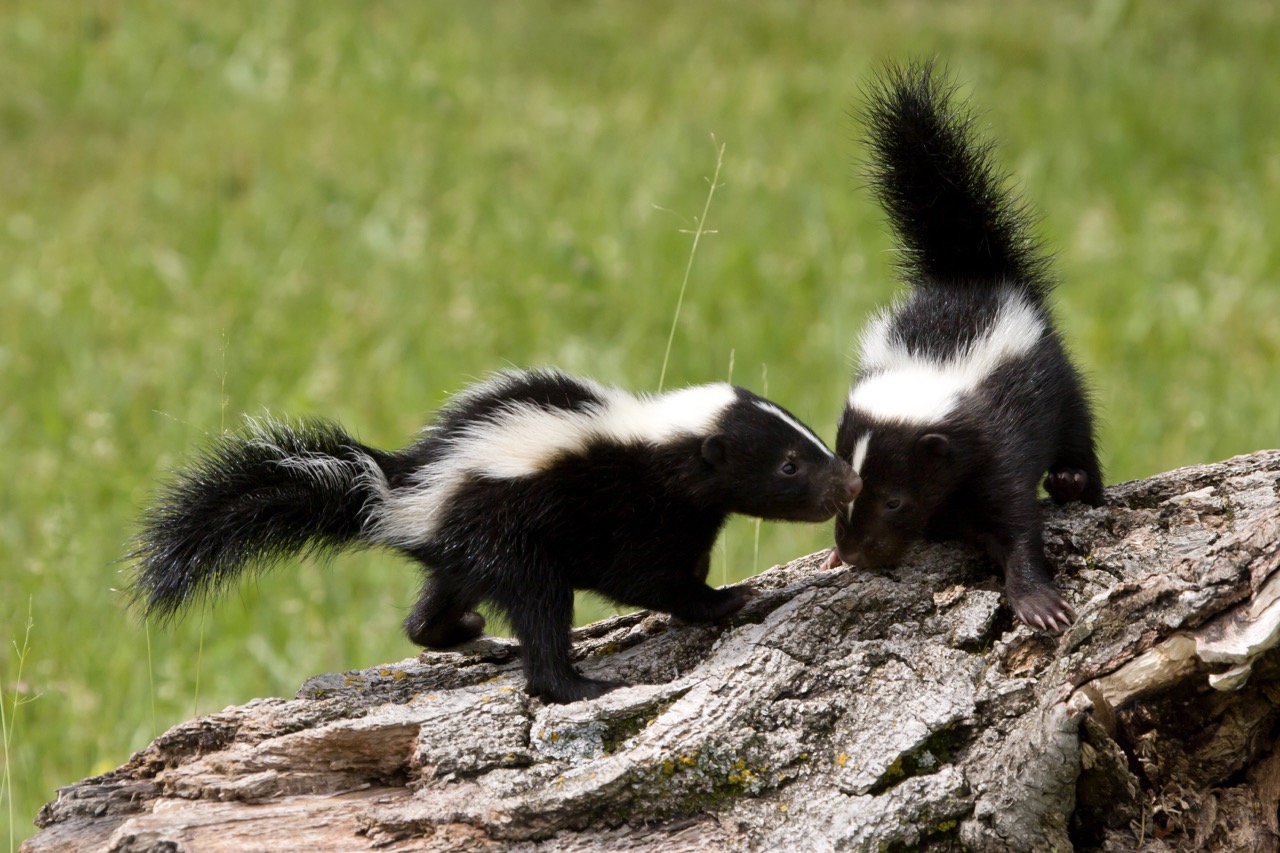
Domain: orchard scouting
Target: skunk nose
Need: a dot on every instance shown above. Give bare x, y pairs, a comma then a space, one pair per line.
851, 486
846, 556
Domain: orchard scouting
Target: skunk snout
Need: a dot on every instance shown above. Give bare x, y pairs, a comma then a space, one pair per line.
850, 556
871, 552
863, 550
851, 486
844, 485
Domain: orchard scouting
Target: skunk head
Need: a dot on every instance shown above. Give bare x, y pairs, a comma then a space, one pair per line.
768, 464
907, 471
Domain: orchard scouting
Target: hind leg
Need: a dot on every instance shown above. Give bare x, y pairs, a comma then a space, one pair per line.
442, 617
1065, 484
1076, 477
1074, 474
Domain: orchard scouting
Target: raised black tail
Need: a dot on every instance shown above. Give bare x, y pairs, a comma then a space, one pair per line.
947, 202
251, 498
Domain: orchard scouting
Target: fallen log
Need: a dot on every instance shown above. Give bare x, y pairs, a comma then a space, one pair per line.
840, 710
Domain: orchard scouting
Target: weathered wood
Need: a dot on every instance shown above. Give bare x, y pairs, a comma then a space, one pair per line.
841, 710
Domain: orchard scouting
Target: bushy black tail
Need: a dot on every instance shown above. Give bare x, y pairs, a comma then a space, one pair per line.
251, 498
947, 202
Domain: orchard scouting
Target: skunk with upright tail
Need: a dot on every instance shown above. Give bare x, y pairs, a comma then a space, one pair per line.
964, 396
527, 486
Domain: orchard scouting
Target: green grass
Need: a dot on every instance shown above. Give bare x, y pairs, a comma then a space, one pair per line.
355, 209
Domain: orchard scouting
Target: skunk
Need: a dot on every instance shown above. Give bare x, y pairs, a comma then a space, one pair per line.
528, 486
964, 395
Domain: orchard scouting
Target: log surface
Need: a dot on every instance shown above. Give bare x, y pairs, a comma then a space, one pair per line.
841, 710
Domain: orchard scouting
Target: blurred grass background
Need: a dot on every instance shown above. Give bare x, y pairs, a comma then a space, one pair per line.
355, 209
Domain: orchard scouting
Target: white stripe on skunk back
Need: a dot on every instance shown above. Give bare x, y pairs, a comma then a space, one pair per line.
521, 440
906, 387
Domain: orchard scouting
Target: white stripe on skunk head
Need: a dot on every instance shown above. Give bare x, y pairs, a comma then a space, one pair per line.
860, 453
911, 387
859, 457
795, 424
521, 439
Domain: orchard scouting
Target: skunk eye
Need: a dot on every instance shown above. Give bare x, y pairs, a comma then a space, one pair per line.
892, 504
789, 468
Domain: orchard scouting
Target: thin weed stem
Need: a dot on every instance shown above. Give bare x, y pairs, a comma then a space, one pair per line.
764, 392
9, 720
693, 251
151, 677
724, 546
195, 702
222, 428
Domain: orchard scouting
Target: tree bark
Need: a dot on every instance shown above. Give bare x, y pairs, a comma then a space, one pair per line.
841, 710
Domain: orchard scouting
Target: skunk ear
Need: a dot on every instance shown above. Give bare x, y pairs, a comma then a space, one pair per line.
936, 443
714, 449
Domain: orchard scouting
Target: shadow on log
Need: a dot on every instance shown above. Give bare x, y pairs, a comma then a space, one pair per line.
841, 710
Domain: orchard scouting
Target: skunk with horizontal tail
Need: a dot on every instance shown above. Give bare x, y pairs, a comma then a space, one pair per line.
964, 396
527, 487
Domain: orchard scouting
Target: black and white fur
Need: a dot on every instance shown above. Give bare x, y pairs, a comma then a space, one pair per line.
964, 396
528, 486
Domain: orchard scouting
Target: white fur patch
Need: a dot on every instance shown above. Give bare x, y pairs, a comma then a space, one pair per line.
860, 453
859, 456
794, 424
876, 348
523, 439
908, 387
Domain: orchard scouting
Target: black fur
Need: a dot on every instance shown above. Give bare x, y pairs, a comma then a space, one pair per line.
633, 522
966, 248
249, 500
